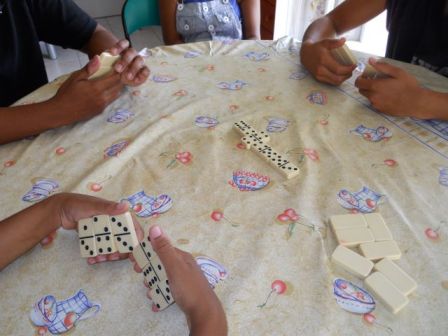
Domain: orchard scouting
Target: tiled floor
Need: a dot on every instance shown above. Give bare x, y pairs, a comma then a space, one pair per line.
70, 60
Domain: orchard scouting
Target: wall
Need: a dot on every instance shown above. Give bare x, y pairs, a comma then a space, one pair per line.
101, 8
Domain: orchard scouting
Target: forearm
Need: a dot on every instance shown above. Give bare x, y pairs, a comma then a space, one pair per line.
211, 322
21, 121
251, 18
167, 13
320, 29
22, 231
101, 40
434, 105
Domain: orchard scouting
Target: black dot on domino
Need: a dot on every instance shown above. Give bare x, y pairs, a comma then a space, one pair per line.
167, 282
167, 289
131, 248
125, 244
159, 267
95, 219
91, 252
158, 306
149, 269
100, 250
113, 219
149, 254
143, 244
98, 239
82, 242
86, 247
157, 291
118, 238
125, 229
109, 249
168, 297
106, 229
119, 224
85, 227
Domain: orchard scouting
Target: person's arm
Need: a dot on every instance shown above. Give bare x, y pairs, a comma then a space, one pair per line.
202, 308
167, 10
22, 231
77, 99
320, 38
250, 10
399, 94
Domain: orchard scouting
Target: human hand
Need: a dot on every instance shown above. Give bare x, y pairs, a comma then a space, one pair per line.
398, 93
131, 65
73, 207
191, 291
317, 59
80, 98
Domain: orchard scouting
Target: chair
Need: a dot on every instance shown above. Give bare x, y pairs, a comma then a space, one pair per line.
136, 14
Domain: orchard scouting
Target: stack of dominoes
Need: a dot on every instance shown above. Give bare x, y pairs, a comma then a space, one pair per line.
345, 56
108, 234
256, 140
370, 233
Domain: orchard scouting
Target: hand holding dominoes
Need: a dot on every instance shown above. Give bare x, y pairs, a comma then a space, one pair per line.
103, 234
194, 296
107, 62
256, 141
344, 56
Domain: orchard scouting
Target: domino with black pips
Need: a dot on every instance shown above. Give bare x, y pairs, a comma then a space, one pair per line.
143, 253
161, 295
124, 233
154, 272
277, 160
103, 235
87, 238
251, 135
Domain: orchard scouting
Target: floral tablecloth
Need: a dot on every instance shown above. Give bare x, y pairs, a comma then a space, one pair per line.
174, 136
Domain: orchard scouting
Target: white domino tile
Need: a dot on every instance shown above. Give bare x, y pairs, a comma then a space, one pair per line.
404, 283
385, 291
352, 262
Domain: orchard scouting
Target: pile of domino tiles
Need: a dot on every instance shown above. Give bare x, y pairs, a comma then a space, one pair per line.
366, 245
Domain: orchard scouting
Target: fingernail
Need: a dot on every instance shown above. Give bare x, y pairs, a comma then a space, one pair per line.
121, 206
130, 76
119, 68
156, 232
101, 258
114, 257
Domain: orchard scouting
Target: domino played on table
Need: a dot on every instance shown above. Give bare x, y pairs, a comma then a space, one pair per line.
256, 141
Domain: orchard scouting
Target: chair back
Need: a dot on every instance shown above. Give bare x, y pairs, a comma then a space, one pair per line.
136, 14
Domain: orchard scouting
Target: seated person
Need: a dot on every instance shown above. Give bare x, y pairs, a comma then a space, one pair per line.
23, 23
417, 34
22, 231
203, 20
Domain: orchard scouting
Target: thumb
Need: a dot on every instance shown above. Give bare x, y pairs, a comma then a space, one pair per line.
90, 68
333, 43
162, 246
385, 68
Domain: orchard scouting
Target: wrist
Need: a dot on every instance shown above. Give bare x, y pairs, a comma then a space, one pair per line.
210, 320
432, 104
